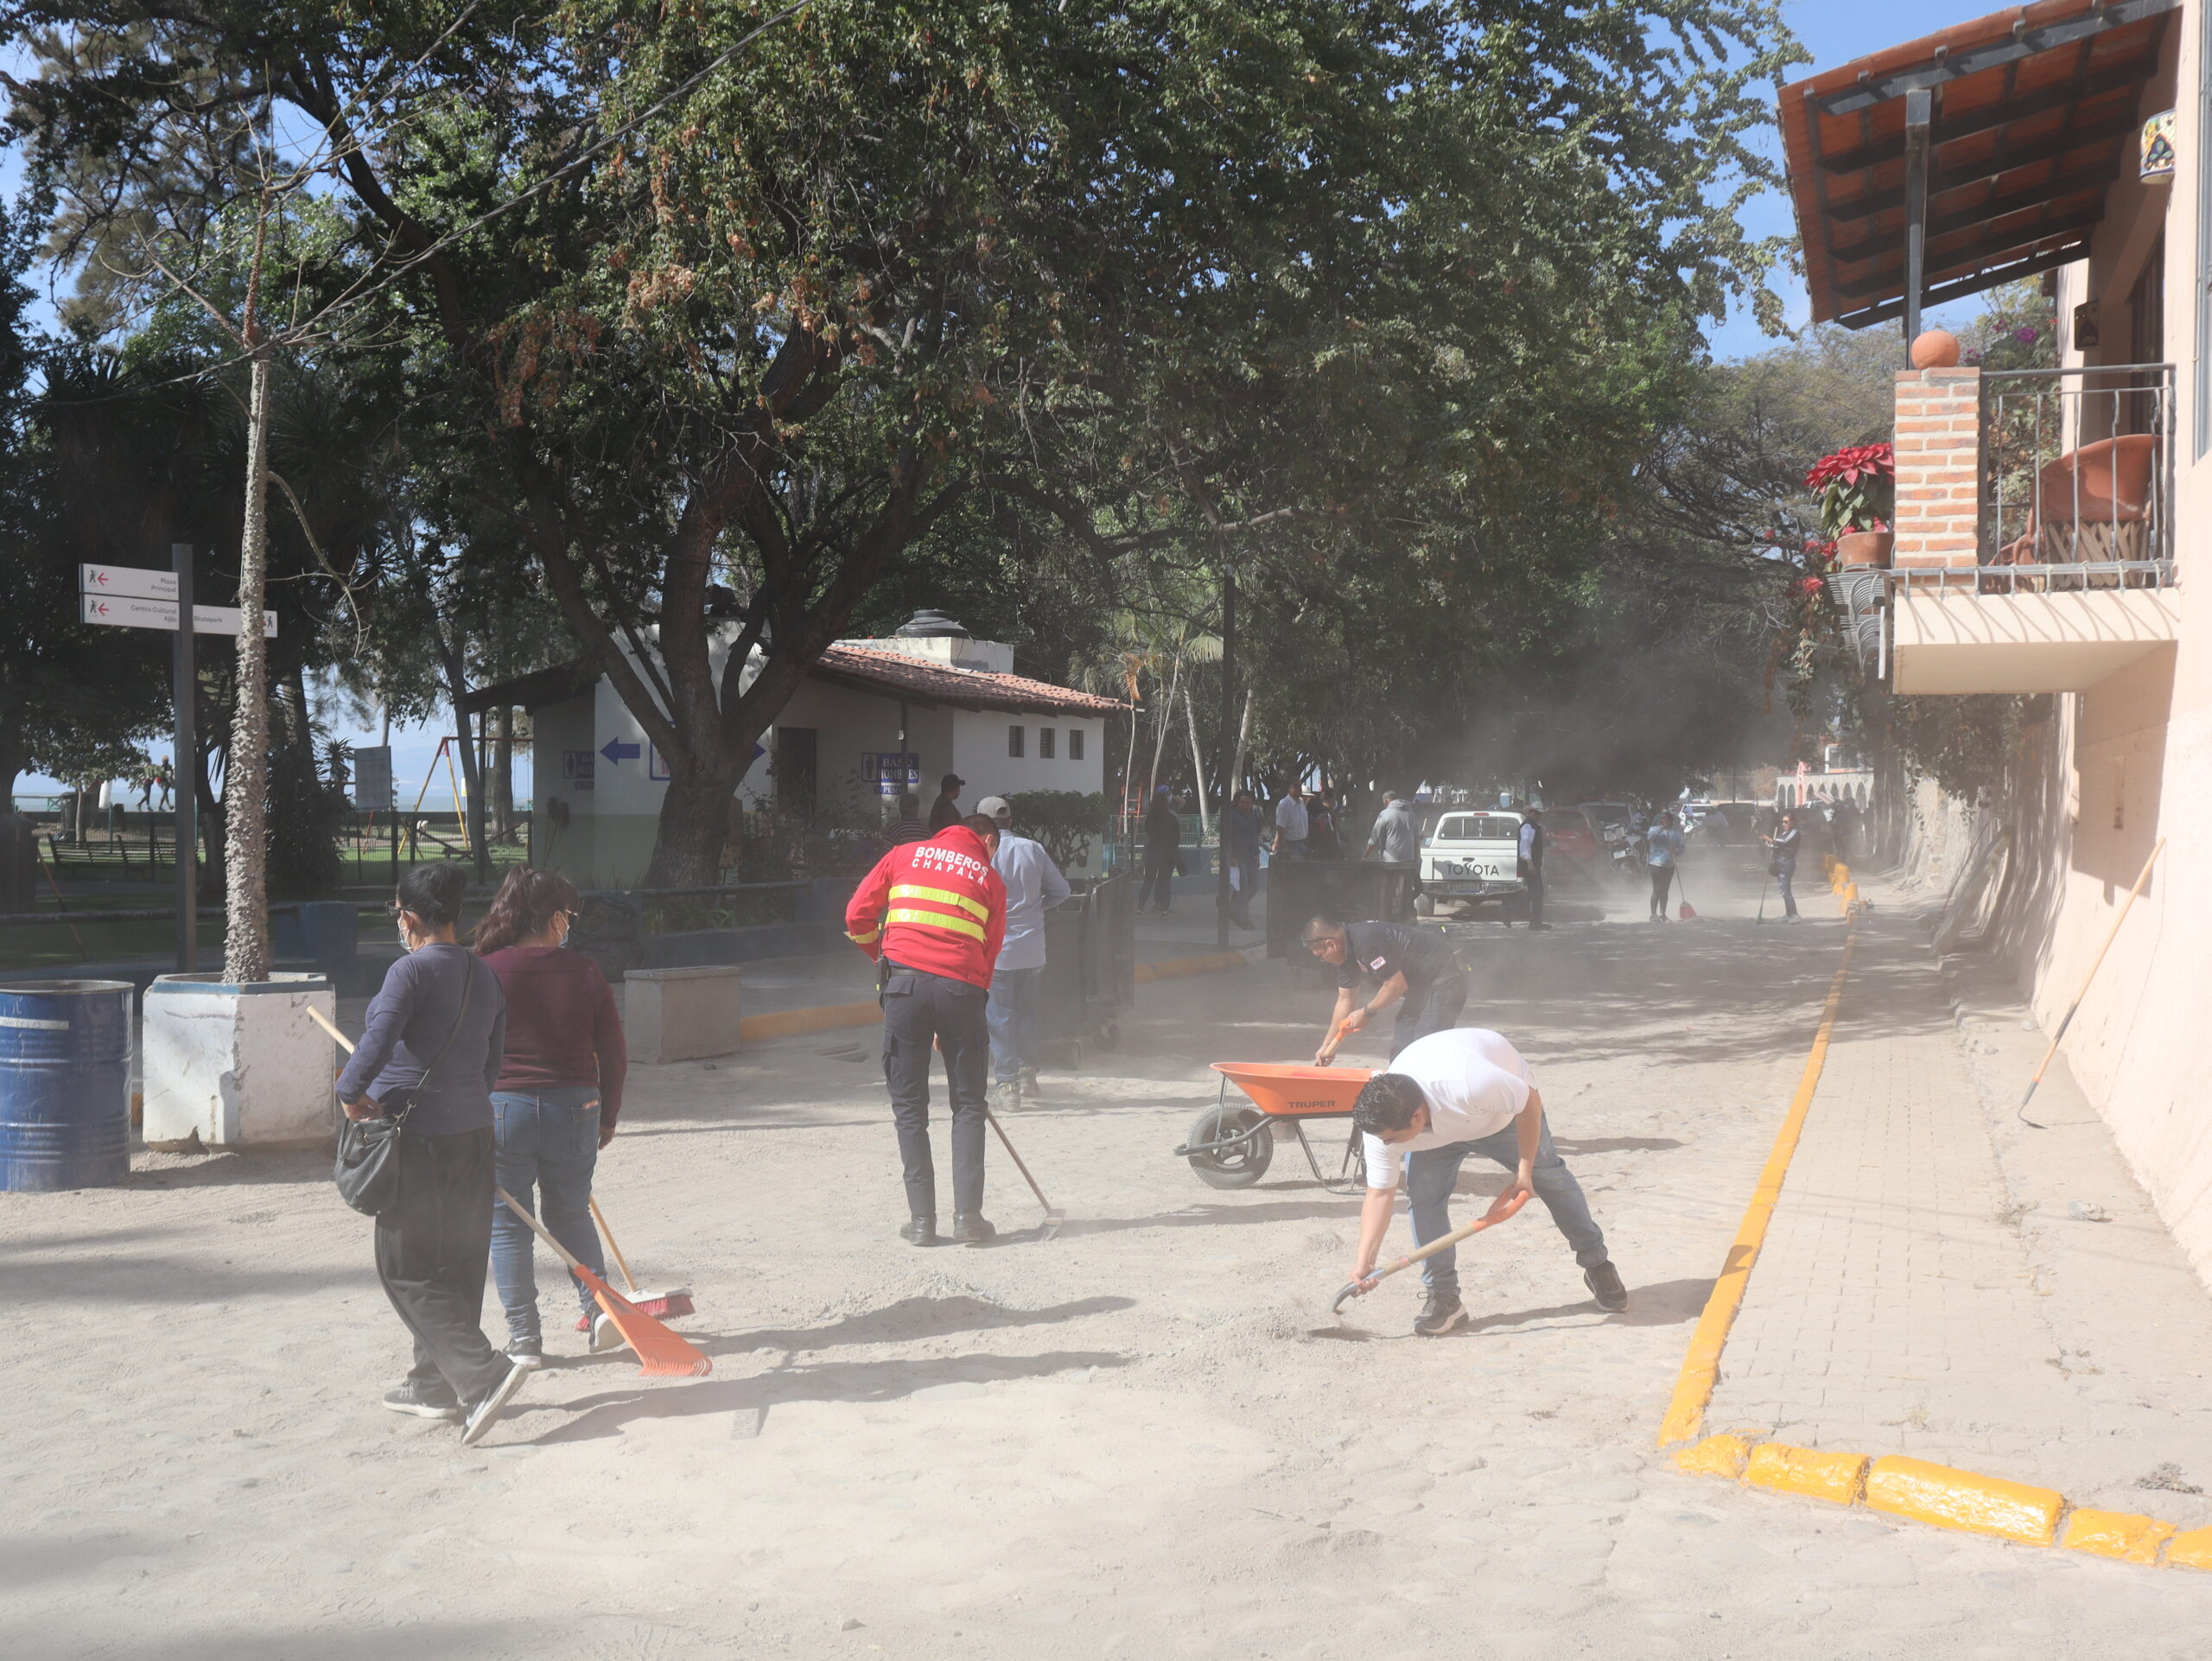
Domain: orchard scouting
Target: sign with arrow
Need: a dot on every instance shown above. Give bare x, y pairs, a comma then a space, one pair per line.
126, 583
128, 612
617, 752
125, 596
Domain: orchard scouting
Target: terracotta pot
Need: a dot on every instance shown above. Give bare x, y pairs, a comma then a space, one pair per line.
1864, 547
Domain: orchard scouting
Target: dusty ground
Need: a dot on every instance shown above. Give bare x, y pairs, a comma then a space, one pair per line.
1144, 1438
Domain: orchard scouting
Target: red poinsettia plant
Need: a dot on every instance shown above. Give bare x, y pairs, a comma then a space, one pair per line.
1858, 487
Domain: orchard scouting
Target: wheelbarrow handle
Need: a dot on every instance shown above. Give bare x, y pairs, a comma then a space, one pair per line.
1384, 1271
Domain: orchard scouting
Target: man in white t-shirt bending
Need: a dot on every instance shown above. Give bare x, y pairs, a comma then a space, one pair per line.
1465, 1091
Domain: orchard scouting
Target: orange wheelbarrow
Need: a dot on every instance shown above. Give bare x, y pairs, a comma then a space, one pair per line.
1232, 1143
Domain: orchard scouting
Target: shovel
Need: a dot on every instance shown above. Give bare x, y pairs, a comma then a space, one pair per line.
1384, 1271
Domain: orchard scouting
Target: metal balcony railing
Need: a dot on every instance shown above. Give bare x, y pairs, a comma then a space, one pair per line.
2077, 479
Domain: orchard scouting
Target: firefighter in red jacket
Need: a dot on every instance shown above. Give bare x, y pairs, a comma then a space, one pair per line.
932, 914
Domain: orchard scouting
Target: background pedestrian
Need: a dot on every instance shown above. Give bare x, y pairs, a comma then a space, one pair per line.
556, 1099
1033, 886
1662, 846
910, 825
1163, 860
430, 1049
1240, 841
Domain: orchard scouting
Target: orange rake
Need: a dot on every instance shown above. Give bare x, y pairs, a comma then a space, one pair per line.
661, 1353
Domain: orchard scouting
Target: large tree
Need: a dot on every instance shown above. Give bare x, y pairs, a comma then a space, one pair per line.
696, 305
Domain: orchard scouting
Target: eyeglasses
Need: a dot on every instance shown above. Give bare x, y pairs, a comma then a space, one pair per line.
396, 909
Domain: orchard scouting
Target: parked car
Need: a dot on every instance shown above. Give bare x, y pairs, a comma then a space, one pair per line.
1471, 857
1572, 838
1731, 824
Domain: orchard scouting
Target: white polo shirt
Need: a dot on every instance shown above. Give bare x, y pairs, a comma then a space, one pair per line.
1476, 1083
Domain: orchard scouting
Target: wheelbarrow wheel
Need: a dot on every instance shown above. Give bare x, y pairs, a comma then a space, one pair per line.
1240, 1164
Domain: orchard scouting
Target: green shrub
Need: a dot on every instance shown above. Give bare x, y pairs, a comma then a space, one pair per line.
1063, 820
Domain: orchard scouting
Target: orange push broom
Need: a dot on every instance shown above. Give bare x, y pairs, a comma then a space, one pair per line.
661, 1353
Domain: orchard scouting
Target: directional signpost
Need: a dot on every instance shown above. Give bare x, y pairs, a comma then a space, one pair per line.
125, 596
617, 752
122, 597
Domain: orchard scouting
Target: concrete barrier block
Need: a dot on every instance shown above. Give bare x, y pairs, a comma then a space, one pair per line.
2190, 1550
684, 1014
1721, 1455
2122, 1536
1963, 1499
233, 1066
1834, 1477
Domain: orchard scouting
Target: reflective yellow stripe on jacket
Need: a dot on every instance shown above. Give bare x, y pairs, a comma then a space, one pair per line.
937, 920
869, 939
975, 909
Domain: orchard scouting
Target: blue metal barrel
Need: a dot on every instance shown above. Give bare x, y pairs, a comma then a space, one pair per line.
64, 1084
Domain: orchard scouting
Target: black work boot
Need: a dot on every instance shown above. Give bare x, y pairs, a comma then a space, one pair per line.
1605, 1284
972, 1228
1440, 1315
919, 1231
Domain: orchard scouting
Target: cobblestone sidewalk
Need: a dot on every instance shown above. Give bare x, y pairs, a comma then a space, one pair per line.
1894, 1309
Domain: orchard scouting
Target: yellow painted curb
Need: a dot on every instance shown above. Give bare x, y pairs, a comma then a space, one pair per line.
789, 1023
1834, 1477
1701, 1363
1721, 1455
2120, 1535
1170, 968
1963, 1499
2190, 1550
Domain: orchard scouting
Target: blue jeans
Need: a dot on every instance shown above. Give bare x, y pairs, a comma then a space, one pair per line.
1432, 1172
1784, 875
1012, 1014
548, 1137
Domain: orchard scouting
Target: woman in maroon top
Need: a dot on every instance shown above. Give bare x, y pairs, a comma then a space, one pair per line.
558, 1095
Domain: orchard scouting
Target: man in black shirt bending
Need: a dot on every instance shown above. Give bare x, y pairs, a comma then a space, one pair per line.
1411, 967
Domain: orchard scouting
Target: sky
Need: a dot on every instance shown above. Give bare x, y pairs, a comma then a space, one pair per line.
1834, 31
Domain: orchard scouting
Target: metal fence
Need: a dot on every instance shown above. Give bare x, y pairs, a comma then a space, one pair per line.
2078, 471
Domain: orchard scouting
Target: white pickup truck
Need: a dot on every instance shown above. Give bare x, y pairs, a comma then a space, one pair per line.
1471, 858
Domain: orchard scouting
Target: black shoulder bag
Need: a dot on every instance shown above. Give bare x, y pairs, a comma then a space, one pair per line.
367, 1166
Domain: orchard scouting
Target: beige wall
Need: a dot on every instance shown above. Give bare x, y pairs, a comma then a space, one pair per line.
2117, 768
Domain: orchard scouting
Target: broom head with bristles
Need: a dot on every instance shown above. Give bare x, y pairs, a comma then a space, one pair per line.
1688, 913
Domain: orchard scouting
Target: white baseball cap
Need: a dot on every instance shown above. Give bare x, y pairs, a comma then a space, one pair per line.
997, 807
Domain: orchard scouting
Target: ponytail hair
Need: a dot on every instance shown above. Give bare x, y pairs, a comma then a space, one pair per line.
526, 905
434, 892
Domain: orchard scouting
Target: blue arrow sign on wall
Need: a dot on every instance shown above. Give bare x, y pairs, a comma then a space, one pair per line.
617, 752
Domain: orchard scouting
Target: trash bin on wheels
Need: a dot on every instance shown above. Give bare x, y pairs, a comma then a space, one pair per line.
1358, 890
1090, 968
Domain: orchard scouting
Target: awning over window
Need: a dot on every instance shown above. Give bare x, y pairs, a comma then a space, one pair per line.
2005, 134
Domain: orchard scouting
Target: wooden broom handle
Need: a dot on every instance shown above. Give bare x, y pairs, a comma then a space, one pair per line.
622, 1263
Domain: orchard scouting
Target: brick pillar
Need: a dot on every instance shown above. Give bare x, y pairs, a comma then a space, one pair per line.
1939, 467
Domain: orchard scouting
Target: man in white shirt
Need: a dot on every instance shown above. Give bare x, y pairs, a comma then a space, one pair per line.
1033, 884
1465, 1091
1291, 823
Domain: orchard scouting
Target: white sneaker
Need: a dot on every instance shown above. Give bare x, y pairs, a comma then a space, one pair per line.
604, 1334
485, 1413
